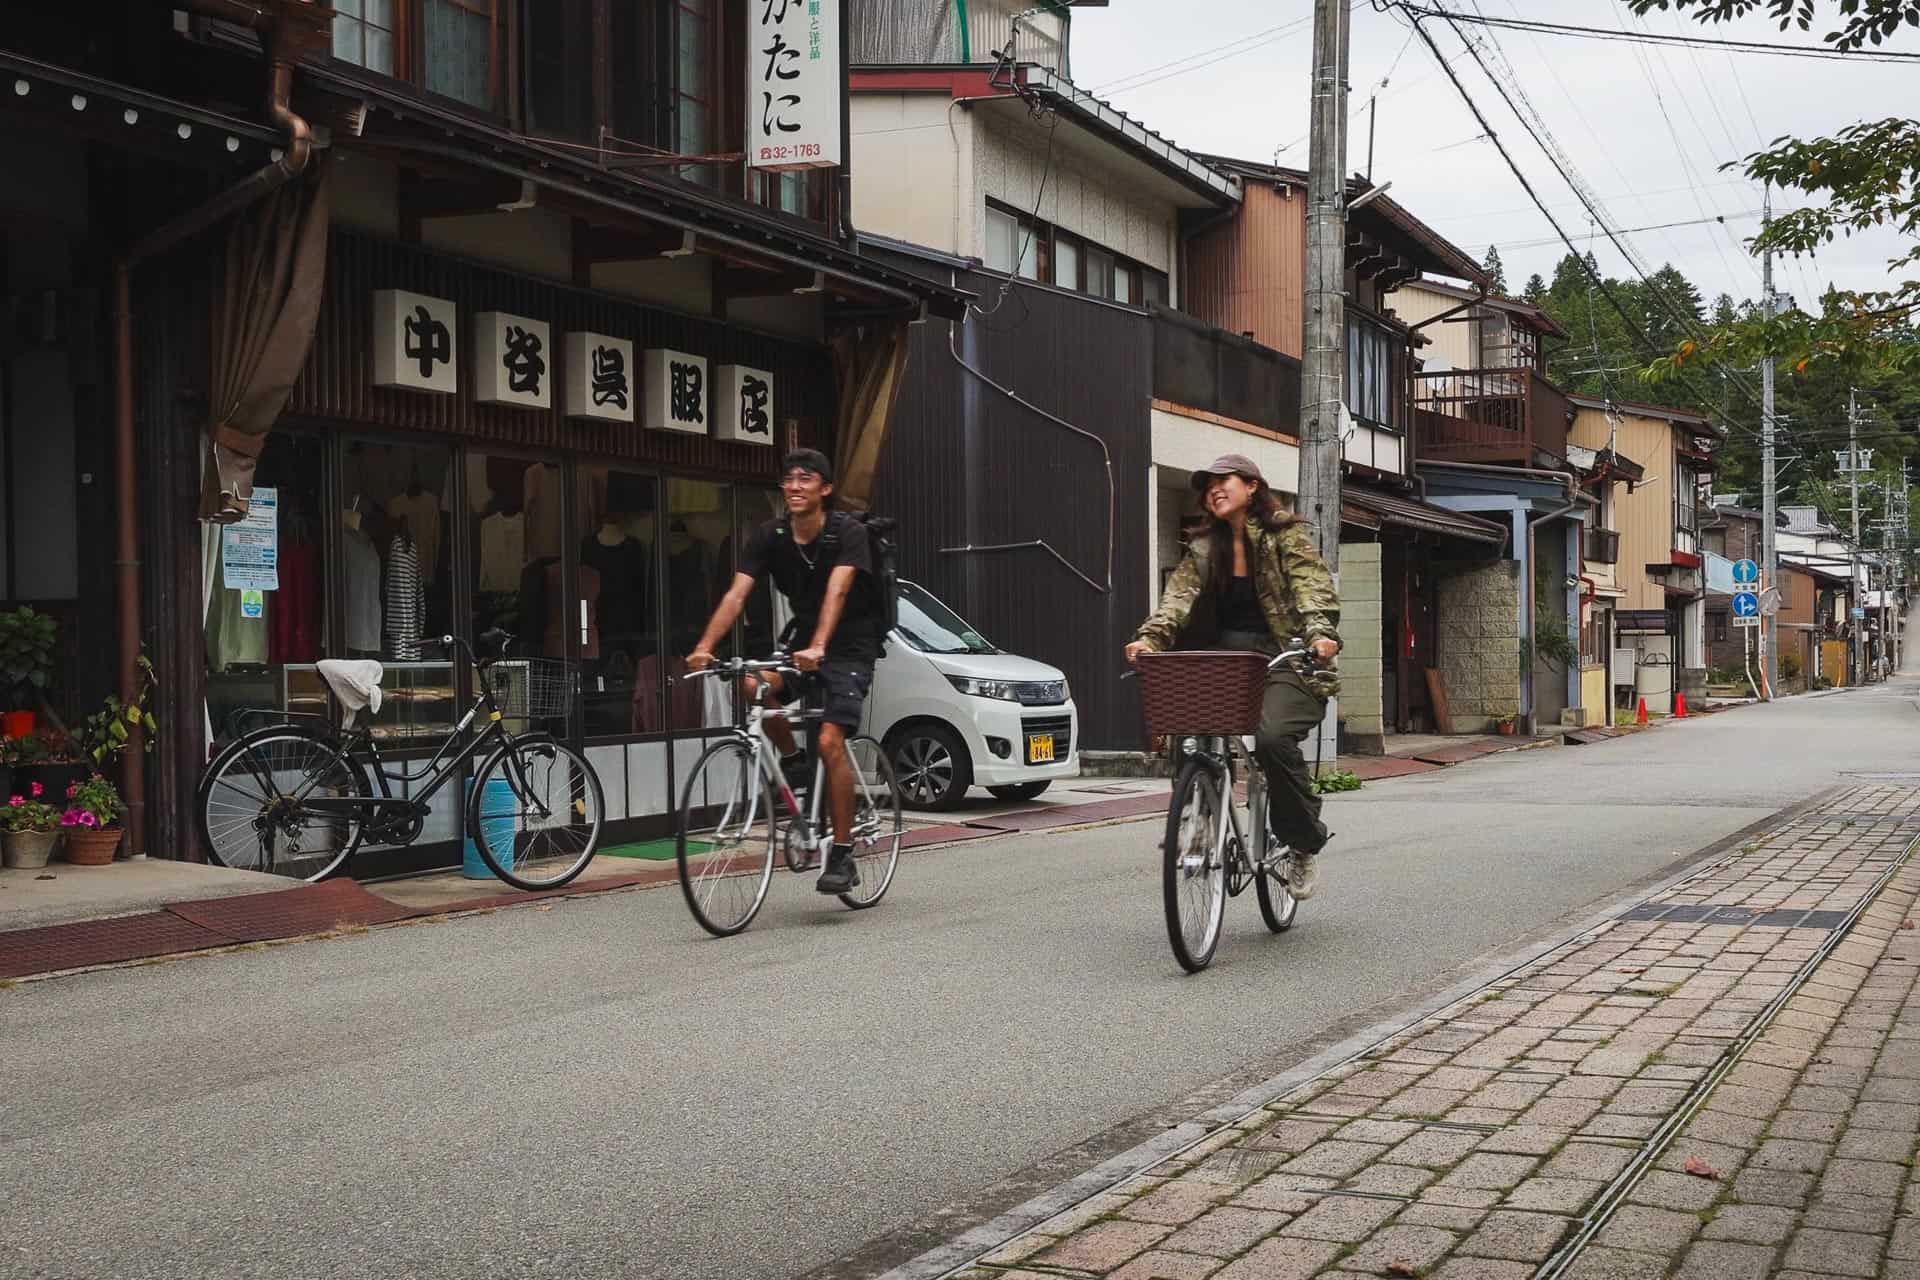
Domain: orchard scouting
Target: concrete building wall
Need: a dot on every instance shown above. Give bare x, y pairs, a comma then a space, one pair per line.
1362, 677
1480, 644
908, 182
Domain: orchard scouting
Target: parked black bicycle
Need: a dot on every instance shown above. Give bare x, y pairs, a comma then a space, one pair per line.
298, 797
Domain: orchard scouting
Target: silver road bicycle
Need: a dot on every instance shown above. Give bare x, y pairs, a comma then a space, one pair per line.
737, 811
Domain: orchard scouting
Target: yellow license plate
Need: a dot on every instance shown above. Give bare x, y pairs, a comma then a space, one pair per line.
1040, 749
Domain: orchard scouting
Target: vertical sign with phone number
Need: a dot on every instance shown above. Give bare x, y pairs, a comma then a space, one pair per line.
794, 79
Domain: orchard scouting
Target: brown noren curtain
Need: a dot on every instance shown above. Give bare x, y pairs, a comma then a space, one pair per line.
868, 362
265, 307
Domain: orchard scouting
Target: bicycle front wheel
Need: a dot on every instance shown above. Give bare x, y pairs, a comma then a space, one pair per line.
877, 822
254, 811
1194, 883
725, 845
536, 813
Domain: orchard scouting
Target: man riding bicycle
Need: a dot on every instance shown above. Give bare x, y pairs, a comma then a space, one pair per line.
1252, 579
822, 563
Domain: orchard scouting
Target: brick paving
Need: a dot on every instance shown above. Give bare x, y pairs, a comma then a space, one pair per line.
1680, 1092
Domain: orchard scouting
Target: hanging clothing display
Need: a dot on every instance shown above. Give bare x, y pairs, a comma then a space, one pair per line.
363, 592
503, 551
626, 587
540, 499
420, 515
294, 612
406, 601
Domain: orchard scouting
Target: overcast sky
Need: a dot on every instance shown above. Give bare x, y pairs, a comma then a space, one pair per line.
1651, 158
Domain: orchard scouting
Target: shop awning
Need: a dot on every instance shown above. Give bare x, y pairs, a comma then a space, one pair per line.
1409, 513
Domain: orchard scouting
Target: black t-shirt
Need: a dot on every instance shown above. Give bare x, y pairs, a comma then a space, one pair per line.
801, 573
1239, 607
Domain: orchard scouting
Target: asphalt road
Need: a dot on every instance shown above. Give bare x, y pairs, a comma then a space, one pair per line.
598, 1089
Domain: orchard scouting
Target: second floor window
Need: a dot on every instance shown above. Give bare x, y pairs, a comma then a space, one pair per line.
1017, 245
363, 33
1371, 393
447, 47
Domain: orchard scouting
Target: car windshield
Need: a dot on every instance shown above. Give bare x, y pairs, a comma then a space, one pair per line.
931, 627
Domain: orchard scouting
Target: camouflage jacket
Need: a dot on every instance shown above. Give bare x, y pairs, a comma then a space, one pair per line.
1295, 589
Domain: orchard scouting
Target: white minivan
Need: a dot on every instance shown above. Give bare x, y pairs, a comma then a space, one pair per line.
955, 712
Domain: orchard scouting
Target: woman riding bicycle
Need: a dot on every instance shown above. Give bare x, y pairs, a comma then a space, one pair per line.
1252, 580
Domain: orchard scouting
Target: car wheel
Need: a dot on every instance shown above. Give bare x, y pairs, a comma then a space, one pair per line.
932, 767
1019, 790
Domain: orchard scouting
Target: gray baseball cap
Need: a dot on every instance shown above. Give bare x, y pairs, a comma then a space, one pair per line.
1227, 464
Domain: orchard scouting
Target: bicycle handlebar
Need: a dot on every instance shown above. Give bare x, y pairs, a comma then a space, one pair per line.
734, 668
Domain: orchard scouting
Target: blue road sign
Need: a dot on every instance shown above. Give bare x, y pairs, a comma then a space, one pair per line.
1746, 571
1746, 605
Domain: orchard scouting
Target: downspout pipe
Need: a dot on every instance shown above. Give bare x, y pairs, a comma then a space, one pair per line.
250, 189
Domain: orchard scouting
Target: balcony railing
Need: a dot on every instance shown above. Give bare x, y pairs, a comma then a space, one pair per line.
1489, 415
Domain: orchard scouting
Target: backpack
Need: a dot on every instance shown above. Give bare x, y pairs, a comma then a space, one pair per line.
886, 558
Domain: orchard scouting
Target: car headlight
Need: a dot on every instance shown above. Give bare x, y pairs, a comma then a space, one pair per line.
1003, 690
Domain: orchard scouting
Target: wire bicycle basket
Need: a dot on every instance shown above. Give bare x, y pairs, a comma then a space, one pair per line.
1202, 692
533, 688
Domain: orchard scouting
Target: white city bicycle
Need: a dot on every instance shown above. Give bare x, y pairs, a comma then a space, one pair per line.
737, 809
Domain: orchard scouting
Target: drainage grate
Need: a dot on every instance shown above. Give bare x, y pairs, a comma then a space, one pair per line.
1715, 913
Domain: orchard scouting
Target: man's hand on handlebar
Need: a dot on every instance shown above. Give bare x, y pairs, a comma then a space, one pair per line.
810, 659
699, 660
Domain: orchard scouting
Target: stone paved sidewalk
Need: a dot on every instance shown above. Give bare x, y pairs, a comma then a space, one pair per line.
1720, 1083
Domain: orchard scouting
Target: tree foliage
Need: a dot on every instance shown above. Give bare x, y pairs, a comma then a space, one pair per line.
1496, 270
1867, 175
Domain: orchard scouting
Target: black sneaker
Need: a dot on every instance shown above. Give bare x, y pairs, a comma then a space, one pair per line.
841, 873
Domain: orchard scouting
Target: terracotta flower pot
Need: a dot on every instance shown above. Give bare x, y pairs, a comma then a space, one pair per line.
30, 849
91, 846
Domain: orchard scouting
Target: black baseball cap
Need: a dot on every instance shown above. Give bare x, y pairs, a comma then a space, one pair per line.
808, 460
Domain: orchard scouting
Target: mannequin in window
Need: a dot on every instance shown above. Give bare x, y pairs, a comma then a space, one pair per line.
503, 547
406, 604
620, 564
363, 584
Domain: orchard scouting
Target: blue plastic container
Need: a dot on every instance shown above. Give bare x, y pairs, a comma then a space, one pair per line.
497, 810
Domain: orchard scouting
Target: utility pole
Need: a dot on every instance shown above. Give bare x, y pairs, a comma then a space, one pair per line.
1769, 553
1853, 557
1325, 340
1324, 344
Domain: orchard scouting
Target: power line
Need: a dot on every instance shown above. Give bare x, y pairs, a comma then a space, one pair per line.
1231, 49
1657, 226
1615, 34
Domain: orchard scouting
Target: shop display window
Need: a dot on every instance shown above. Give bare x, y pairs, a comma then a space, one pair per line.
617, 601
396, 556
264, 584
516, 519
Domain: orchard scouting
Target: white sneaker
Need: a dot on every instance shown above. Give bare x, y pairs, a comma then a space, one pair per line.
1303, 875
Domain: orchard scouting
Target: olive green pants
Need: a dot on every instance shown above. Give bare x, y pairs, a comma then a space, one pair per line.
1289, 712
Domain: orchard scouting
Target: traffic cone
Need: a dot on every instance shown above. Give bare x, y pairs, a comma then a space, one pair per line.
1679, 706
1641, 719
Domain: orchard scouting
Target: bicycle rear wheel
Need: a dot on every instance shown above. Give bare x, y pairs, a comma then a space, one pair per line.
536, 813
877, 822
1194, 881
726, 839
252, 810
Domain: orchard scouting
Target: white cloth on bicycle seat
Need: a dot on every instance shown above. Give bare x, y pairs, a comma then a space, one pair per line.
356, 682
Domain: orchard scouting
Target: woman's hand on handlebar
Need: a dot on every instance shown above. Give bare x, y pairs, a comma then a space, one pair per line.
1137, 648
1325, 649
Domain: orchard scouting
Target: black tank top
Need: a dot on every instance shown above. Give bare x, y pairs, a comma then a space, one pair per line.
1239, 607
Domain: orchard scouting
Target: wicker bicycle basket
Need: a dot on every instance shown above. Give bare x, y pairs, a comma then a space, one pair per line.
1201, 692
532, 688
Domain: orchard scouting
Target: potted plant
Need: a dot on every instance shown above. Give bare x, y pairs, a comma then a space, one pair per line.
93, 810
27, 641
47, 758
32, 829
1505, 725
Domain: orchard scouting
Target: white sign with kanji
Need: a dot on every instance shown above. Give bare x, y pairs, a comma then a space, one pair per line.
414, 343
600, 378
675, 386
743, 405
794, 79
512, 361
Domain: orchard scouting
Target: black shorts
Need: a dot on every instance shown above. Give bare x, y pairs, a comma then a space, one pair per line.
839, 687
